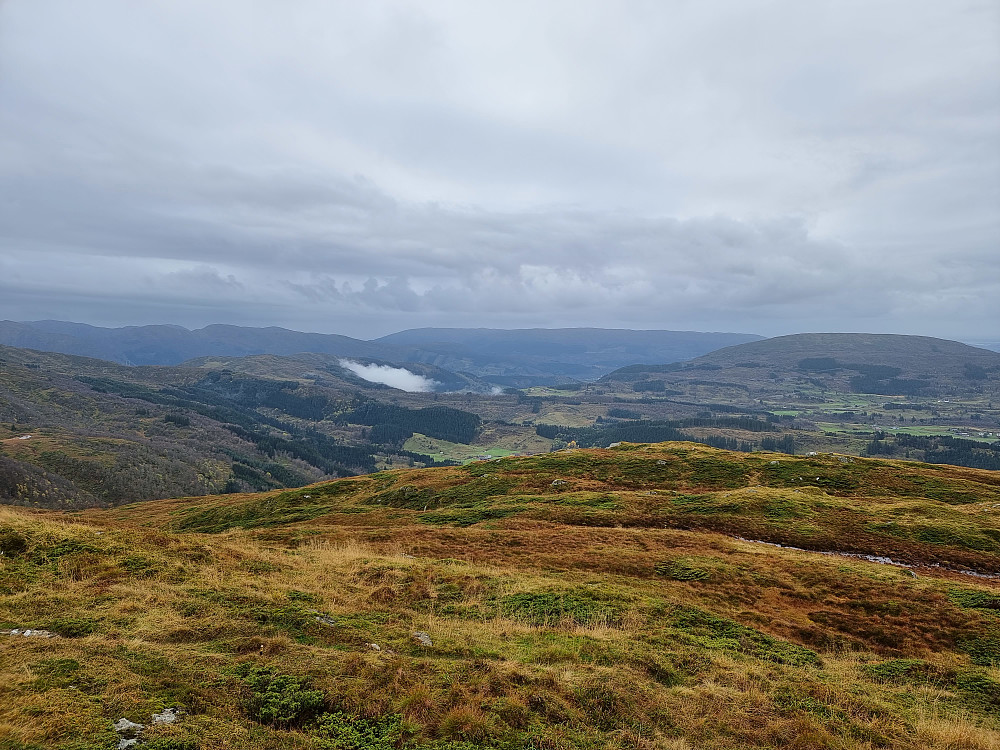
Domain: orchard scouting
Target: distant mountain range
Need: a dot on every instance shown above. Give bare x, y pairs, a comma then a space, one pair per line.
506, 357
847, 362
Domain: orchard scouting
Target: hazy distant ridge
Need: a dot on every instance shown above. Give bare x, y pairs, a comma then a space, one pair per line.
583, 353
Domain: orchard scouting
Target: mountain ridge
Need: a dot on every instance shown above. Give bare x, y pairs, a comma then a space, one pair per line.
889, 364
504, 356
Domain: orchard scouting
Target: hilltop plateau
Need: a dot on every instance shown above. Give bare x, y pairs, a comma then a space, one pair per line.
654, 597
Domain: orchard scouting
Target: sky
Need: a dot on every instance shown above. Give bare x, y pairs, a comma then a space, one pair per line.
761, 166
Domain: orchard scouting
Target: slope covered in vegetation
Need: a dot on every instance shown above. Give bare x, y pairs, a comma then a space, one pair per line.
635, 597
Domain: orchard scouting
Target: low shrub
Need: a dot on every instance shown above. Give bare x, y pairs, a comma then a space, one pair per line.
339, 731
278, 699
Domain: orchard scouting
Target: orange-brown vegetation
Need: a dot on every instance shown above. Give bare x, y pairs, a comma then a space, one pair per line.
583, 599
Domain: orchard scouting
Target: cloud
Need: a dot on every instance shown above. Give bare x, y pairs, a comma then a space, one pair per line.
361, 168
394, 377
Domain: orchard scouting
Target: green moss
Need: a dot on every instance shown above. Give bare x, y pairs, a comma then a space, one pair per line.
983, 650
143, 663
980, 688
12, 542
974, 599
63, 674
406, 496
799, 472
789, 699
713, 631
170, 743
955, 536
593, 500
783, 508
707, 505
139, 566
553, 607
718, 472
475, 492
904, 670
680, 570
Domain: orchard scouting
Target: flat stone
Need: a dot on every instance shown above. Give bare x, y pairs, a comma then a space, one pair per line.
29, 633
128, 729
422, 638
168, 716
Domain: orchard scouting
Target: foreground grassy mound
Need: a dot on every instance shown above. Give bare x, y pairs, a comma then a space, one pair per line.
919, 514
587, 599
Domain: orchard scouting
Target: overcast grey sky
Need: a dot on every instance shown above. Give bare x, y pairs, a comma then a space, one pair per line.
363, 167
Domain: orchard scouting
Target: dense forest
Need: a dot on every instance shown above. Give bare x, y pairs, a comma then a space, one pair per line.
937, 449
394, 424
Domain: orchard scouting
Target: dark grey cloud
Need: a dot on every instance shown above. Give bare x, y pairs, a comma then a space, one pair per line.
360, 168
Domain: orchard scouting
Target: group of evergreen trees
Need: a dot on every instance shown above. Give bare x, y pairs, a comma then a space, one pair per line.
658, 431
392, 424
936, 449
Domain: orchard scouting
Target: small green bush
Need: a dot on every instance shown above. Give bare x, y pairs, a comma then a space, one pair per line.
339, 731
277, 699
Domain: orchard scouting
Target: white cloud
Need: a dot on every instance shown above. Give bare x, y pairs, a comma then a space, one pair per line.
395, 377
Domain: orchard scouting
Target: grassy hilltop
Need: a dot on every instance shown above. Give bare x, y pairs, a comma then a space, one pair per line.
633, 597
